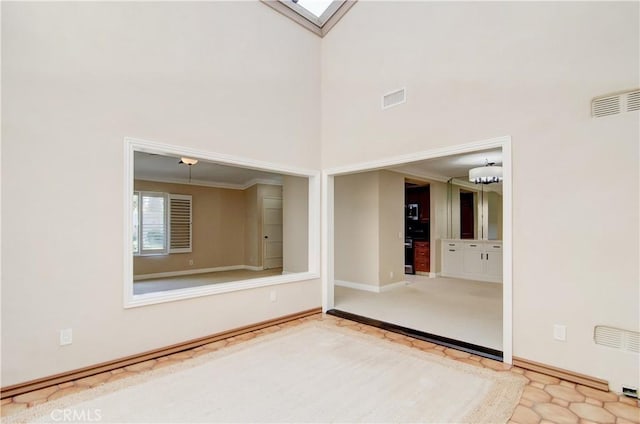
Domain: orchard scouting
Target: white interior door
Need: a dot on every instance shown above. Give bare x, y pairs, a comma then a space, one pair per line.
272, 233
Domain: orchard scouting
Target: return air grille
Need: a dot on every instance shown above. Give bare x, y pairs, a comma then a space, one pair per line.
618, 339
614, 104
633, 101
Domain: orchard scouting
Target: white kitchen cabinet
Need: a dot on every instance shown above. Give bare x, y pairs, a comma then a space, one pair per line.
453, 252
493, 261
472, 259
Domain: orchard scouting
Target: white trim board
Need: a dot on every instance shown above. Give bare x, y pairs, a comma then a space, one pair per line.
503, 142
143, 277
370, 287
130, 300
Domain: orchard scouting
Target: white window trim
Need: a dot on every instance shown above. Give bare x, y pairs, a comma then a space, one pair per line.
131, 301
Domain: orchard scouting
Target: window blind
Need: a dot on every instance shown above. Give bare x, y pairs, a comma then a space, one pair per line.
180, 223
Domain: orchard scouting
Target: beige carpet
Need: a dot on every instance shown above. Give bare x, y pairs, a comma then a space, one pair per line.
466, 310
314, 372
197, 280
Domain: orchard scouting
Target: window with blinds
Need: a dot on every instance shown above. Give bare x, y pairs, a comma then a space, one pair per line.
161, 223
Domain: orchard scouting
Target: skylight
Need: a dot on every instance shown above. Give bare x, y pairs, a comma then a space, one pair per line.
317, 7
318, 16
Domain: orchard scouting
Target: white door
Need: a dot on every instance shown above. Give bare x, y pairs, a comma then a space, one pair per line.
272, 233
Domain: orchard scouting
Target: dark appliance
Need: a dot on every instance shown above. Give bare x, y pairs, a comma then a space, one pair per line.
408, 256
412, 212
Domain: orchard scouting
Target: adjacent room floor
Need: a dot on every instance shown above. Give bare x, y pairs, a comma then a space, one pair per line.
465, 310
197, 280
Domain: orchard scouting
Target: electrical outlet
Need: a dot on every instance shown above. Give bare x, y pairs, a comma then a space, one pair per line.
560, 332
272, 296
190, 261
66, 337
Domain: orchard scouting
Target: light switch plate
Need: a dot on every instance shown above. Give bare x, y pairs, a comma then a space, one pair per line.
66, 337
560, 332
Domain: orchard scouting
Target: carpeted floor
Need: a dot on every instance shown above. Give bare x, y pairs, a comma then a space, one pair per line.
197, 280
466, 310
314, 372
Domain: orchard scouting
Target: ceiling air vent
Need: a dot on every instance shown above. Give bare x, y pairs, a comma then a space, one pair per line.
613, 104
616, 338
394, 98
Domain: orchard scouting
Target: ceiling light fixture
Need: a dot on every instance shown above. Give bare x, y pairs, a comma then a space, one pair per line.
490, 173
188, 161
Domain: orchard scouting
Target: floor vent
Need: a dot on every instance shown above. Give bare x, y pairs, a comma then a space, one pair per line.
616, 338
394, 98
614, 104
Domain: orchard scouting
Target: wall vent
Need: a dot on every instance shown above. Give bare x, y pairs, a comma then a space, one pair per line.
633, 101
617, 339
394, 98
613, 104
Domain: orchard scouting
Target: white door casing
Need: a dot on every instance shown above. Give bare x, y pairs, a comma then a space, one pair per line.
504, 142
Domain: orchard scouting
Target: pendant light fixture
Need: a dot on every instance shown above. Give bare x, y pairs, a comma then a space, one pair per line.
189, 162
490, 173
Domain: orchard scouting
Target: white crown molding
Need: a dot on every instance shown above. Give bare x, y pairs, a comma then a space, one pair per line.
212, 184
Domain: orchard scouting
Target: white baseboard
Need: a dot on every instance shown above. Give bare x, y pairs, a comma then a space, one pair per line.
252, 268
392, 286
369, 287
142, 277
357, 286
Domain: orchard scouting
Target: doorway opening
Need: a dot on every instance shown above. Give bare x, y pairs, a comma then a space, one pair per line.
417, 232
458, 286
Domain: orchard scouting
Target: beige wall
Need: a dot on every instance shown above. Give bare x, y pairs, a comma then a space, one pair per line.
467, 81
295, 231
438, 221
369, 228
78, 77
217, 230
356, 219
251, 233
390, 227
493, 202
